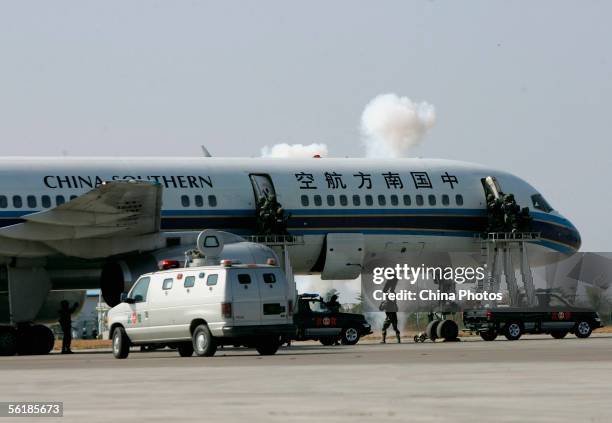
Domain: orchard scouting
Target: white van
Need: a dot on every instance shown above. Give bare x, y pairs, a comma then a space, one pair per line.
198, 308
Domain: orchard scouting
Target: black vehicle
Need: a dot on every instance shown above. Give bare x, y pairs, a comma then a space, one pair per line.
553, 315
316, 321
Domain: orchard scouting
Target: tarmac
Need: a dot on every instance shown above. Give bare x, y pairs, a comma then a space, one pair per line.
535, 379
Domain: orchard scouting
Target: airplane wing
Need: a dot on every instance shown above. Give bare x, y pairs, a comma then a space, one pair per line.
113, 209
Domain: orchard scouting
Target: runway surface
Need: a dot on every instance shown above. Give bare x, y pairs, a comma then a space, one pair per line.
536, 379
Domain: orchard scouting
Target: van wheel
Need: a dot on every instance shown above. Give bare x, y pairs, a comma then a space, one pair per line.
204, 345
267, 345
447, 330
488, 335
185, 349
349, 336
513, 331
583, 329
558, 334
121, 343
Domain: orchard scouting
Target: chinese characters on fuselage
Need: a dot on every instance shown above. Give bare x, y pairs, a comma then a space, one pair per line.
390, 180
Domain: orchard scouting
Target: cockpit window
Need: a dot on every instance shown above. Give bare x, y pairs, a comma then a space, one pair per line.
540, 203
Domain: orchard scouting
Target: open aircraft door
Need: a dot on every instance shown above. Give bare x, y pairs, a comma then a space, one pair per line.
262, 186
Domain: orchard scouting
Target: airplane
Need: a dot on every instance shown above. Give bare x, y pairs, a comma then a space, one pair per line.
68, 224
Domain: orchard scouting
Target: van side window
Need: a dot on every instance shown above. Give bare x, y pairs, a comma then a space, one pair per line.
212, 280
139, 292
189, 282
244, 278
167, 283
269, 278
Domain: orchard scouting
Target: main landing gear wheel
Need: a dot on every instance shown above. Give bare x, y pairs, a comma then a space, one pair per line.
34, 340
185, 349
431, 329
488, 335
447, 330
8, 341
267, 345
558, 334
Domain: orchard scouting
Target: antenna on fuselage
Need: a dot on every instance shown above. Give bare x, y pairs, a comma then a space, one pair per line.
205, 152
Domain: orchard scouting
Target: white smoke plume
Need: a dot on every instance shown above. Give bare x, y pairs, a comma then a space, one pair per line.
392, 125
285, 150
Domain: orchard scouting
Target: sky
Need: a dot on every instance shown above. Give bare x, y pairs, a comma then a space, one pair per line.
523, 86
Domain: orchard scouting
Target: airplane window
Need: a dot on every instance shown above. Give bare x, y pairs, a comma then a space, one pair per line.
167, 284
185, 200
540, 203
331, 201
394, 200
356, 200
407, 200
445, 200
305, 200
343, 200
59, 200
432, 200
369, 200
419, 200
382, 200
46, 201
17, 202
3, 202
459, 199
212, 201
199, 201
189, 282
317, 200
31, 201
212, 279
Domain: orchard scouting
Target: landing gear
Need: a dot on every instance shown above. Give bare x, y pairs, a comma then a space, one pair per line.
8, 341
26, 340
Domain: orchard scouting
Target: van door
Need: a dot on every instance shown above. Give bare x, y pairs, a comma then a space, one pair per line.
137, 322
165, 308
273, 289
246, 301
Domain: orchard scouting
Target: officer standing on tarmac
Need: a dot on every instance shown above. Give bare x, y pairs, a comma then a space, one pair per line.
65, 321
390, 309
